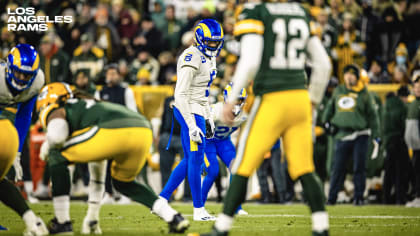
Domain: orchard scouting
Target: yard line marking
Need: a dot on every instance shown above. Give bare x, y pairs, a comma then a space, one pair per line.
334, 217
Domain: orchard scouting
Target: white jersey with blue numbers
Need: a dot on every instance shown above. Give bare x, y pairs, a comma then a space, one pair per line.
198, 90
223, 131
7, 98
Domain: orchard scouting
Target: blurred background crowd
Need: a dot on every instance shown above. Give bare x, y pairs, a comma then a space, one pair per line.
115, 43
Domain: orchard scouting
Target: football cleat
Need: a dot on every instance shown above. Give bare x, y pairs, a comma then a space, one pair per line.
242, 212
178, 224
38, 229
203, 215
56, 228
90, 226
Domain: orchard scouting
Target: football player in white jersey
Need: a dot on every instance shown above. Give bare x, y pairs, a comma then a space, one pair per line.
221, 145
196, 70
20, 81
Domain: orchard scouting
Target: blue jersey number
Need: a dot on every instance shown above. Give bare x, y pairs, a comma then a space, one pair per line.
223, 132
188, 57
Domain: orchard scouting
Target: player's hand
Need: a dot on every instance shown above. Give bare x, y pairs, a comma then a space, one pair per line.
18, 168
196, 134
45, 149
210, 128
228, 116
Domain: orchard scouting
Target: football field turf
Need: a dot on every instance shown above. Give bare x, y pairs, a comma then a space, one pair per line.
263, 220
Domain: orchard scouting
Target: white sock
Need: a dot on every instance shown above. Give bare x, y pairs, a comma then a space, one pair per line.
198, 210
28, 186
162, 209
29, 218
93, 211
320, 221
62, 208
223, 222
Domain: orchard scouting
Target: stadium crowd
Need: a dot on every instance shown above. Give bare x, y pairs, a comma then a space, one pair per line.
115, 43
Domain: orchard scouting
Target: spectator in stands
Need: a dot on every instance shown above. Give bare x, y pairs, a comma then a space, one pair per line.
69, 33
366, 25
377, 74
351, 116
7, 39
105, 34
124, 72
352, 7
114, 91
53, 61
400, 76
401, 59
158, 14
397, 160
143, 77
83, 82
324, 30
148, 37
349, 48
171, 29
412, 137
127, 29
88, 57
388, 34
167, 67
336, 12
147, 61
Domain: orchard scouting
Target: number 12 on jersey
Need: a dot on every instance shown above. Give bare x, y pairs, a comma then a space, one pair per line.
289, 54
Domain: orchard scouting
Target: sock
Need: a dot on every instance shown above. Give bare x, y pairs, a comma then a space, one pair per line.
93, 211
223, 222
162, 209
29, 218
62, 208
60, 176
136, 192
235, 195
313, 192
176, 178
320, 221
198, 210
28, 186
12, 198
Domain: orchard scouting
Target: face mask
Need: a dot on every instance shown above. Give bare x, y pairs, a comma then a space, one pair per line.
400, 60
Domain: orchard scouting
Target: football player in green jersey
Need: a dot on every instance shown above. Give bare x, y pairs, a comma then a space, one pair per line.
81, 129
275, 43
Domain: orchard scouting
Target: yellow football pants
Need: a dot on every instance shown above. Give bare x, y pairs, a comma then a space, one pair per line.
284, 114
127, 147
9, 142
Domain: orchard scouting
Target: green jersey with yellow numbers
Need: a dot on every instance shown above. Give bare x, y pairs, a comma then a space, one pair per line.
285, 29
85, 113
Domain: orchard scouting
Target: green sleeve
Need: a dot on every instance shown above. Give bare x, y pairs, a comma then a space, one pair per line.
329, 110
372, 116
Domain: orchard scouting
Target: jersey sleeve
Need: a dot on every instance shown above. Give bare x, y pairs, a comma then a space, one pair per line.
190, 59
248, 21
23, 119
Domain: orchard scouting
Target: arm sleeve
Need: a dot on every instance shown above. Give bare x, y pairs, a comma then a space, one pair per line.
373, 117
328, 112
130, 101
23, 119
248, 65
321, 69
57, 132
185, 76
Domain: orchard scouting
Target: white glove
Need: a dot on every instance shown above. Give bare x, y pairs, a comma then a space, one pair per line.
45, 149
18, 168
196, 134
375, 149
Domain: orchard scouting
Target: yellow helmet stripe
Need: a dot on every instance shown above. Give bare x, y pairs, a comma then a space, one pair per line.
243, 94
36, 63
221, 32
206, 30
16, 57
